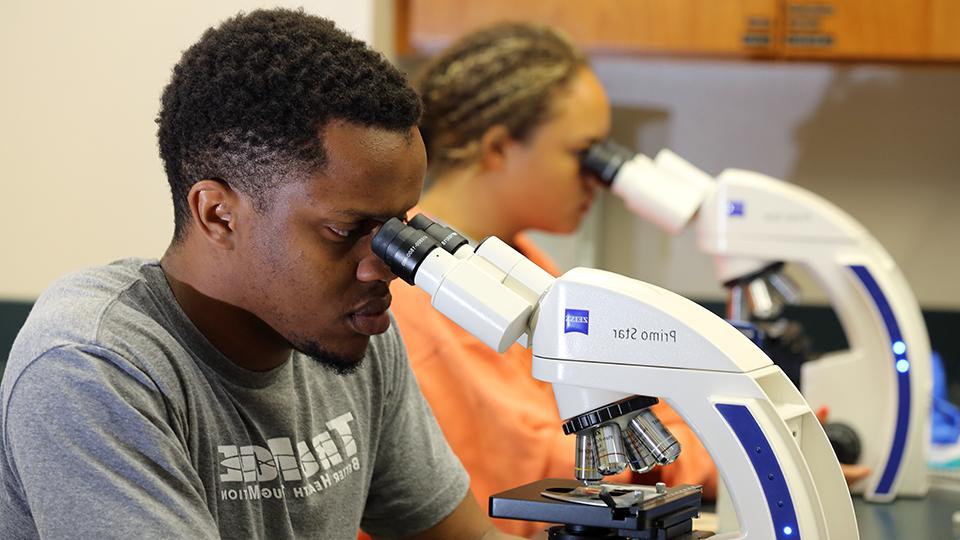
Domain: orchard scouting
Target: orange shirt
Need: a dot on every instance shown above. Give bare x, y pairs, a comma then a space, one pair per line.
501, 422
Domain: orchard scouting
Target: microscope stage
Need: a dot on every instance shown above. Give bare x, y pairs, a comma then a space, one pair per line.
565, 501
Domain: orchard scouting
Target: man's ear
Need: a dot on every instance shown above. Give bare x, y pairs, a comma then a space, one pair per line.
493, 147
213, 206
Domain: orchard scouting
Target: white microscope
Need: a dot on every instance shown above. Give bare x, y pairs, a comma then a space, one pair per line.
878, 391
609, 344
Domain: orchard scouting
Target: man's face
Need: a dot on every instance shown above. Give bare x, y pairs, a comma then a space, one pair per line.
307, 267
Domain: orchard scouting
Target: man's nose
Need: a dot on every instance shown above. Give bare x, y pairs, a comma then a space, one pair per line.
371, 267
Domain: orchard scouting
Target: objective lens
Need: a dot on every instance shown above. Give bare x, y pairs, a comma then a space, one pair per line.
785, 286
585, 465
738, 309
763, 303
611, 455
604, 160
403, 248
449, 239
657, 439
641, 460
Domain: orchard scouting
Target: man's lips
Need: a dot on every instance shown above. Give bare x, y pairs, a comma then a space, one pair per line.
371, 317
375, 305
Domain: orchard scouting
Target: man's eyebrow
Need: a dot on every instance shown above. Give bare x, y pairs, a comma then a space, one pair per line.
360, 215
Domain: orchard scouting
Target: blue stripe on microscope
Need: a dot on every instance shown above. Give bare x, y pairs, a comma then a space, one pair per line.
766, 467
901, 366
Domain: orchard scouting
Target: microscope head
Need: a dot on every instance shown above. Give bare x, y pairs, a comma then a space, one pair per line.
493, 292
490, 291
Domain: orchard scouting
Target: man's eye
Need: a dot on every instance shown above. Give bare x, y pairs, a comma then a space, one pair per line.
355, 231
343, 233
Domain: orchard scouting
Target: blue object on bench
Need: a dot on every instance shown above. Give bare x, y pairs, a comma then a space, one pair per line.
945, 416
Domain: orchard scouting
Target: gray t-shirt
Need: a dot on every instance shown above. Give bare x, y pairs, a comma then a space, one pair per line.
119, 419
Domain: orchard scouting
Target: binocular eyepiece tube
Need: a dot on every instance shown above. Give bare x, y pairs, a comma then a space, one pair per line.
490, 292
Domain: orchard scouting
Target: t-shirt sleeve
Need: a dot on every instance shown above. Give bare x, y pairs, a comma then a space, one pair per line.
92, 449
417, 479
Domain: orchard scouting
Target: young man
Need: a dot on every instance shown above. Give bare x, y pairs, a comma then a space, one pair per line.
248, 384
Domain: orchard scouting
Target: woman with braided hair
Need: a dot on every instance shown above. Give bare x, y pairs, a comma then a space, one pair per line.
507, 112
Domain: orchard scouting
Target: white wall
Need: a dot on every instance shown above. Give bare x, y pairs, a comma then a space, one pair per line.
81, 183
80, 179
880, 141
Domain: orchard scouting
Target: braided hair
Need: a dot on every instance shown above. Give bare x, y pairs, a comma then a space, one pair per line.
506, 74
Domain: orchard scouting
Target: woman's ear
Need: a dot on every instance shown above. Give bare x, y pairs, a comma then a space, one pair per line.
493, 147
213, 206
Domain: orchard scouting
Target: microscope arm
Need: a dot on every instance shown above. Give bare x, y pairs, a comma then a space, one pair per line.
889, 349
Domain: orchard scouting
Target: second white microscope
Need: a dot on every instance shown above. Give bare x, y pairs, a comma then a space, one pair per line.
879, 388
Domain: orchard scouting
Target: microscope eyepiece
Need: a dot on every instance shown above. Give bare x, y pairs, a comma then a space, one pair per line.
449, 239
402, 247
604, 160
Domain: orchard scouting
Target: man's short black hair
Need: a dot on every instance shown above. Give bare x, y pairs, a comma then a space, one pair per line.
247, 103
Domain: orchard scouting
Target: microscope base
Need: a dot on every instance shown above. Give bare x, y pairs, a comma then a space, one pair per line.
667, 515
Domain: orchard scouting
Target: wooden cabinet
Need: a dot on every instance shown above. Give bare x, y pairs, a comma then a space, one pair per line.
945, 28
897, 30
697, 27
872, 29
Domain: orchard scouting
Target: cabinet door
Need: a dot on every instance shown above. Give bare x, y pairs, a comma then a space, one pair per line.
872, 29
733, 28
945, 29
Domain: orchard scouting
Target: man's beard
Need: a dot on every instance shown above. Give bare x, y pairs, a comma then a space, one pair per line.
341, 365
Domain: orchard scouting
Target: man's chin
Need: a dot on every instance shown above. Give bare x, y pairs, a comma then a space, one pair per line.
341, 362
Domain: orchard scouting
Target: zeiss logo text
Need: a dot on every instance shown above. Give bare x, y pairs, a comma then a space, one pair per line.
735, 209
576, 320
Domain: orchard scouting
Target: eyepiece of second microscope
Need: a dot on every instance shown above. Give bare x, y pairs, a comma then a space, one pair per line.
402, 247
604, 159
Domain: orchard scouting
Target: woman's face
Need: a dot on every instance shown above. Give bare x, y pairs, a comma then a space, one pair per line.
542, 180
